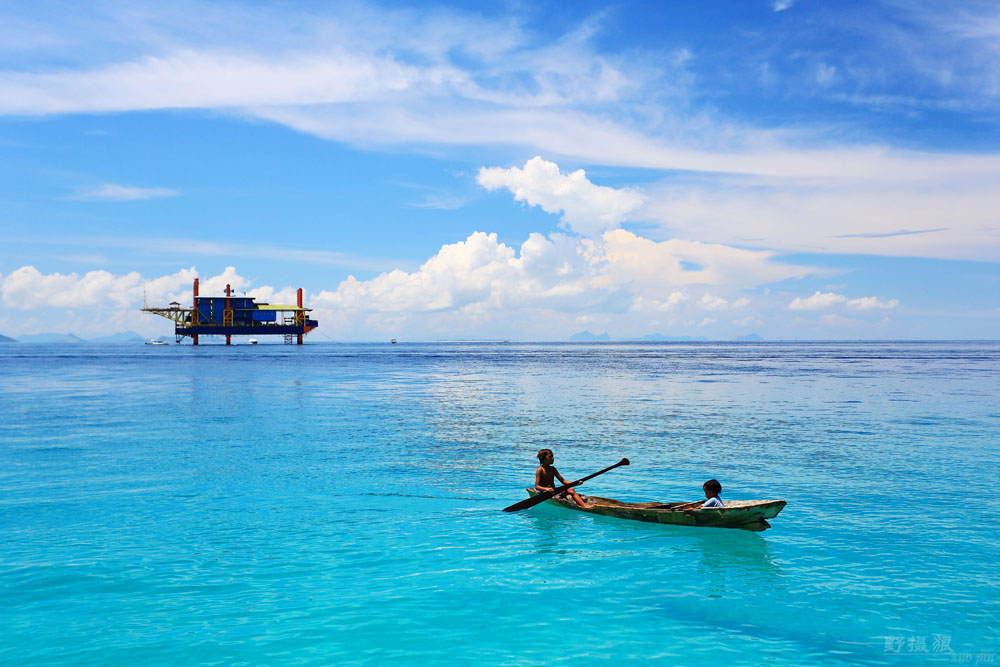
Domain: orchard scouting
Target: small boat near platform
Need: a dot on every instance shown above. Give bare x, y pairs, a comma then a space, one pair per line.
745, 514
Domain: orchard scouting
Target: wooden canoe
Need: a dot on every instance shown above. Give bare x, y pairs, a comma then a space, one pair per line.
745, 514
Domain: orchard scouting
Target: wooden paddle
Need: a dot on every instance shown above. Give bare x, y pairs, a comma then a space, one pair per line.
545, 495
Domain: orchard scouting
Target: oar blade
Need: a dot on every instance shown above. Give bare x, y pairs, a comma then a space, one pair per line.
528, 502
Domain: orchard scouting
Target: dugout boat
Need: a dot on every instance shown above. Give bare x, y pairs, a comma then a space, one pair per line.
745, 514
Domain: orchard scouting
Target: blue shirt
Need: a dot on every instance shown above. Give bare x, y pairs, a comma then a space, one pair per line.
712, 502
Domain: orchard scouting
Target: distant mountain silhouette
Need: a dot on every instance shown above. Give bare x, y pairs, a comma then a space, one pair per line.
751, 336
586, 336
7, 339
124, 337
50, 338
656, 336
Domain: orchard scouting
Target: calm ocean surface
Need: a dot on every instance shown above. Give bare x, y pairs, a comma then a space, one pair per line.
340, 504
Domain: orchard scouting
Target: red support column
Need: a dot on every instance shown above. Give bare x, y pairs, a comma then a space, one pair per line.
299, 315
228, 314
194, 315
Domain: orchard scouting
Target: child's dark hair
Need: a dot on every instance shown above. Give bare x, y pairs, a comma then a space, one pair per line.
712, 486
542, 453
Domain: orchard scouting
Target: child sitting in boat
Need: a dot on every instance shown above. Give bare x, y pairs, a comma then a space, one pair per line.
546, 475
712, 490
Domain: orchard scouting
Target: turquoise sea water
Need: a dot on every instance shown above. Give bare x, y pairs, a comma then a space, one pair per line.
339, 504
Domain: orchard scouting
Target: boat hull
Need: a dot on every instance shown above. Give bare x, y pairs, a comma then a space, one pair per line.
743, 514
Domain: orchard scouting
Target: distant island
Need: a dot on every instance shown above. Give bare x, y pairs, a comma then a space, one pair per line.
124, 337
586, 336
657, 337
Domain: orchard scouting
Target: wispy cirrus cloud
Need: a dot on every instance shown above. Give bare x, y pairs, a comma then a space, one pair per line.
434, 80
884, 235
223, 249
115, 192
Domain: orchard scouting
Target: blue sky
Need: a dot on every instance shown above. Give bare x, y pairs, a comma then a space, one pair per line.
801, 170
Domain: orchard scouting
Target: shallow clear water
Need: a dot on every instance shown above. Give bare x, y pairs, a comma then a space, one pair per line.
339, 504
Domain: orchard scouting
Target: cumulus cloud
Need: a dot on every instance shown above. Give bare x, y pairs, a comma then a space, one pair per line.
826, 300
112, 302
818, 301
616, 273
652, 304
27, 288
629, 258
113, 192
458, 275
553, 279
715, 303
587, 209
872, 302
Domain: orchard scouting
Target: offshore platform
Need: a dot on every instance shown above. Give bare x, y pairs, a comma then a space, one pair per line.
230, 315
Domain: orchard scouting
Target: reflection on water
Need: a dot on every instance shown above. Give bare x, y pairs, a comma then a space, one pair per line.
740, 554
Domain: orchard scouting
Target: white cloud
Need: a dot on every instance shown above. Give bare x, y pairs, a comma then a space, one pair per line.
781, 5
466, 286
225, 249
628, 258
825, 74
818, 301
113, 192
710, 302
715, 303
947, 219
871, 302
377, 77
208, 79
26, 288
587, 209
826, 300
558, 278
99, 302
460, 274
652, 304
217, 284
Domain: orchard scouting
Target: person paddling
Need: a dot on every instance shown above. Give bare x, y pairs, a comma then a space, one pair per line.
546, 475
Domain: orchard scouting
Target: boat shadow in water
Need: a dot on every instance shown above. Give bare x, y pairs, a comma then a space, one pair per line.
737, 553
